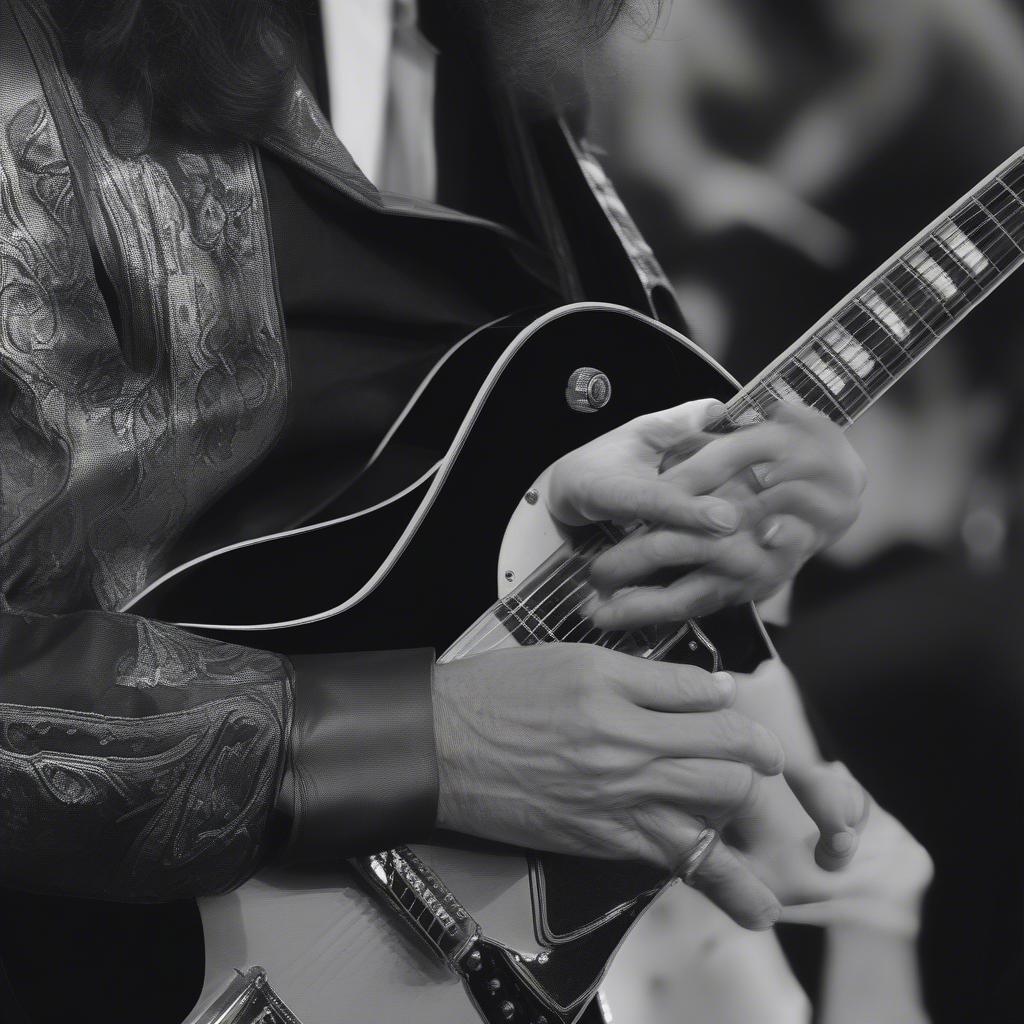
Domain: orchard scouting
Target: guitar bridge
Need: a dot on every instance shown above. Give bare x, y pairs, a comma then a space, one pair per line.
423, 901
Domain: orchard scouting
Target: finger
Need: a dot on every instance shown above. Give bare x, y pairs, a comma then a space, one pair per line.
722, 735
725, 457
804, 416
669, 428
727, 881
625, 499
643, 553
837, 804
698, 593
788, 533
820, 506
841, 466
663, 686
718, 790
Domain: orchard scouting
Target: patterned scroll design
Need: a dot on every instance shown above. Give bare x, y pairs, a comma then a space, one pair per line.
167, 797
137, 762
109, 449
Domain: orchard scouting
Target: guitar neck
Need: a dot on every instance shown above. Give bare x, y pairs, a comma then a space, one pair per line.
861, 347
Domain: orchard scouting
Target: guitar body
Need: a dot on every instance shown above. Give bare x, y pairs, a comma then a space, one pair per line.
416, 571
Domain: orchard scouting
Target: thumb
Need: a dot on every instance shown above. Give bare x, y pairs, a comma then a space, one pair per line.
672, 428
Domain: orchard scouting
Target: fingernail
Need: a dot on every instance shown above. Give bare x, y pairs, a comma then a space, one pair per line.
770, 533
841, 843
713, 412
727, 682
723, 516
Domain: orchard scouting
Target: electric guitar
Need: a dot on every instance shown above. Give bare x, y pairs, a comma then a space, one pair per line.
452, 932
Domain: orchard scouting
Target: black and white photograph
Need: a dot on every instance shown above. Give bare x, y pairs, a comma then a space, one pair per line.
511, 511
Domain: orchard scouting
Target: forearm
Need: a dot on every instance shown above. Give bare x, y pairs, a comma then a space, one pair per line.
870, 975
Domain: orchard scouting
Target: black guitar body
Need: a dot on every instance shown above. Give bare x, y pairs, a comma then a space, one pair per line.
501, 397
493, 417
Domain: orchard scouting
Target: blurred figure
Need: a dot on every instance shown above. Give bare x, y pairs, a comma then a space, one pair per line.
799, 144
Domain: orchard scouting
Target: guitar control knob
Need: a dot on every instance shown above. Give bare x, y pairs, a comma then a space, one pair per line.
508, 1009
588, 390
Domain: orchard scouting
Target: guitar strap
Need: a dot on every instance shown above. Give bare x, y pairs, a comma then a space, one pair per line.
645, 265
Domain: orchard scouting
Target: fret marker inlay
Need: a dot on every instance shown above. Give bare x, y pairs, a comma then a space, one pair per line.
847, 348
931, 273
962, 248
881, 309
822, 371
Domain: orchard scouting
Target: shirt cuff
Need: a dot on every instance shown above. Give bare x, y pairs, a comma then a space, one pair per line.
362, 765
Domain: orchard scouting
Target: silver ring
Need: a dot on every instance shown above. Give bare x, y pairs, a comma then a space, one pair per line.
694, 860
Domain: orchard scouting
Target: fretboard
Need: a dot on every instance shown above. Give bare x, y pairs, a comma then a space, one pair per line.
859, 349
847, 360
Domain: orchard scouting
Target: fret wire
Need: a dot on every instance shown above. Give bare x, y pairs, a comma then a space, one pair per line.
934, 302
1012, 192
852, 311
895, 289
948, 226
985, 240
962, 279
822, 390
966, 256
810, 392
926, 288
882, 326
824, 351
967, 273
920, 296
997, 223
773, 396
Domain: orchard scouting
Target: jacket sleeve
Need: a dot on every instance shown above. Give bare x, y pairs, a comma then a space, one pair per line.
140, 762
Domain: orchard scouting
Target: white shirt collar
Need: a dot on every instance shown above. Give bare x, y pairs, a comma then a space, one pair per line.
357, 44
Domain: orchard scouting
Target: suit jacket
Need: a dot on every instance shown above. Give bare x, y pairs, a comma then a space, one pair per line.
139, 761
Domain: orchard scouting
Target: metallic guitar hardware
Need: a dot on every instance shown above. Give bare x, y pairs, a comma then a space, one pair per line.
588, 390
247, 999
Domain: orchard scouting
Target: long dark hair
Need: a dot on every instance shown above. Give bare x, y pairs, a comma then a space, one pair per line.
208, 69
216, 69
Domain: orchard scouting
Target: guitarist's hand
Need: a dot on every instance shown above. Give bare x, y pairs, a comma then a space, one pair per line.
580, 750
732, 522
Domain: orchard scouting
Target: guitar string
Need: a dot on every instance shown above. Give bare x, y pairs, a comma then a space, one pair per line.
967, 227
807, 395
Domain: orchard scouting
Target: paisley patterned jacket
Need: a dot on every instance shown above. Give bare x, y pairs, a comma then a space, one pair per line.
139, 761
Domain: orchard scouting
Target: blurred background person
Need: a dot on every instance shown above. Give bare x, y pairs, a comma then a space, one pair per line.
774, 155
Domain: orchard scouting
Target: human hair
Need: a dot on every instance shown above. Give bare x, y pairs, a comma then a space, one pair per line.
208, 69
216, 69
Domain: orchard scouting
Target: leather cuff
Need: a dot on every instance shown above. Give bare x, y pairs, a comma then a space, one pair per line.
362, 766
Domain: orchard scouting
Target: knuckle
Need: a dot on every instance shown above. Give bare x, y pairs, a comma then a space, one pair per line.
699, 686
738, 786
762, 913
662, 546
733, 730
767, 747
857, 470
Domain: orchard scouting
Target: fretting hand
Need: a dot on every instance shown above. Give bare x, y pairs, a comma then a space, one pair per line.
732, 521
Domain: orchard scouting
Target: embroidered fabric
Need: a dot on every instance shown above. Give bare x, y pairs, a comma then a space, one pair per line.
137, 761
